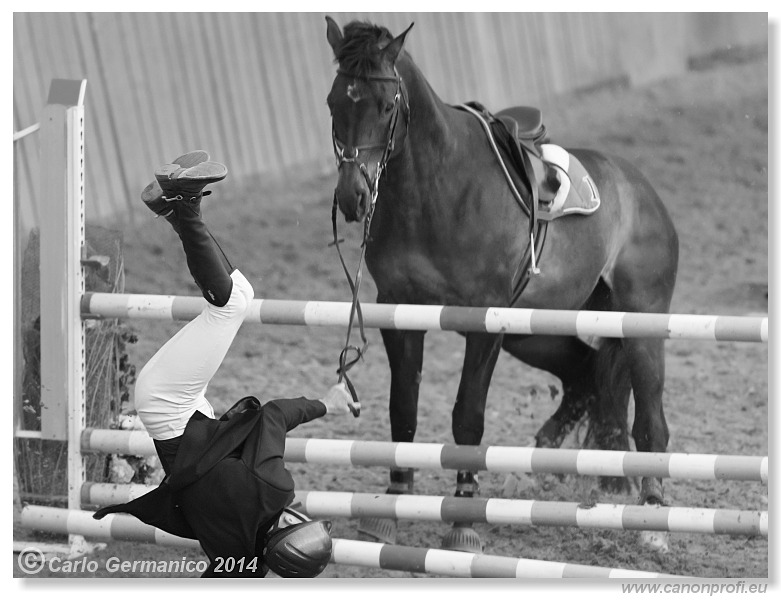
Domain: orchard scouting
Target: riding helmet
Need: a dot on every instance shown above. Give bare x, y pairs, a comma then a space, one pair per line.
296, 546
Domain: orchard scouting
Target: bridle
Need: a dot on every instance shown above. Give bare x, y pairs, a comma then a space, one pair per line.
400, 100
400, 105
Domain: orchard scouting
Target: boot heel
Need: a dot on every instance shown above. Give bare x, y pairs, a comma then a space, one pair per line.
191, 159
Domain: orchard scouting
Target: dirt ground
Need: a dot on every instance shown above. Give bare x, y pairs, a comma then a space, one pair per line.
702, 140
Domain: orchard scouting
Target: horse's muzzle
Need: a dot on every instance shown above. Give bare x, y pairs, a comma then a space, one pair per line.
354, 203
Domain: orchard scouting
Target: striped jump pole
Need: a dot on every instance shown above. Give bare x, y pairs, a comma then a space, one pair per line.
345, 552
501, 511
608, 463
449, 563
111, 527
444, 318
107, 494
495, 511
132, 442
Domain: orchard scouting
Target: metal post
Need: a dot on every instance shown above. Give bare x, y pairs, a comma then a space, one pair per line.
62, 240
63, 379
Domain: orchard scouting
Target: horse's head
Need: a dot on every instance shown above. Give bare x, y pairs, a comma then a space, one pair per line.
365, 101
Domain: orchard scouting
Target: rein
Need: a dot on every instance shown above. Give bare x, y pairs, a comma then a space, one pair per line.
341, 157
355, 307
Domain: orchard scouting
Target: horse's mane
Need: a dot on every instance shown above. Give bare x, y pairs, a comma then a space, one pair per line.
360, 52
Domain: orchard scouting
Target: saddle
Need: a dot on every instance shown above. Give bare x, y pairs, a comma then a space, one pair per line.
525, 128
557, 182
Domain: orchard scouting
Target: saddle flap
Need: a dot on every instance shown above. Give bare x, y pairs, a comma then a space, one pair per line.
576, 194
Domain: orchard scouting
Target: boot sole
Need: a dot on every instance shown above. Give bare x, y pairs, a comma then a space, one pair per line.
207, 171
154, 192
177, 182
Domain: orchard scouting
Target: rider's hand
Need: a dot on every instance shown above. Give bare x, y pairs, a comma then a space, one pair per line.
339, 401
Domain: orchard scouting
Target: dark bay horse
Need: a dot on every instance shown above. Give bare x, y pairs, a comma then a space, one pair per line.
446, 230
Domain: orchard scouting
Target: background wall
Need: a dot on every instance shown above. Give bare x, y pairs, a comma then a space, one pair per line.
251, 87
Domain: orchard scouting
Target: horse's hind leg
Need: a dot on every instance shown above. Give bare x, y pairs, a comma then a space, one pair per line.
646, 359
650, 432
643, 280
578, 395
572, 361
608, 415
583, 371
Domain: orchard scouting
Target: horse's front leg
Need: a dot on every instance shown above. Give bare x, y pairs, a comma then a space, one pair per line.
482, 351
405, 357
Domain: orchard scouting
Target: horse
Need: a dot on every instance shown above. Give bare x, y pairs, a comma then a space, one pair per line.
446, 229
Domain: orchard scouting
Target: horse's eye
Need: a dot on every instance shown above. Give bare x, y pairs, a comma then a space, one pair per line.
388, 108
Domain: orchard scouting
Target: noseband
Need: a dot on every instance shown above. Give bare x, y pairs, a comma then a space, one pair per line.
340, 148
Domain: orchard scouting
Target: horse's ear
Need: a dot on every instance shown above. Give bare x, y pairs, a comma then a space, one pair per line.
334, 34
392, 50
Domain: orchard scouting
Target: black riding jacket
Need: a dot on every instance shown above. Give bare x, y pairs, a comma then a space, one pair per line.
228, 481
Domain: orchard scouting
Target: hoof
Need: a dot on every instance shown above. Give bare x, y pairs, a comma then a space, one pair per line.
378, 529
651, 491
462, 539
657, 541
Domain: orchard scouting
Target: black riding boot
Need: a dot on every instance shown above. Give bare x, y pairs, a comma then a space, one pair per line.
208, 264
180, 203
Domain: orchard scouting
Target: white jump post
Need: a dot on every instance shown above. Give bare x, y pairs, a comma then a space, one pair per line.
63, 385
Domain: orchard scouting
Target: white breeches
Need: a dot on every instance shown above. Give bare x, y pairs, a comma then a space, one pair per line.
172, 385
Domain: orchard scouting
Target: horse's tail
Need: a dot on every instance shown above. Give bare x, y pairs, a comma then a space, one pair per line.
608, 427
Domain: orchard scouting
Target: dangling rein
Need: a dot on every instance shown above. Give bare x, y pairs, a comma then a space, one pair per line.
339, 153
355, 308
